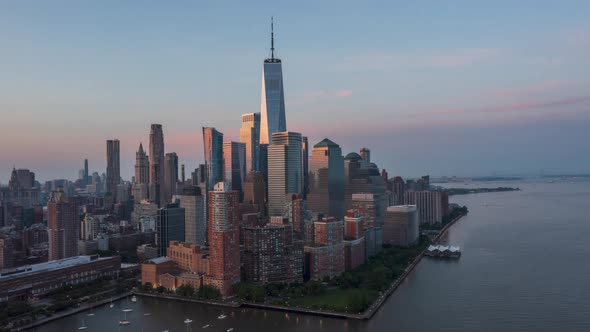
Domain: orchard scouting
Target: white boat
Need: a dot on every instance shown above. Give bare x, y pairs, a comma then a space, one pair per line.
222, 316
206, 326
90, 315
230, 329
134, 299
147, 314
127, 310
188, 321
124, 321
83, 327
111, 305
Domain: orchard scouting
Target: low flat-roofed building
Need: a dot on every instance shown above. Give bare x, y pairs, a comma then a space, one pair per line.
38, 279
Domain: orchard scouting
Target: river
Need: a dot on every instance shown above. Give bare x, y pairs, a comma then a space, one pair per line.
525, 267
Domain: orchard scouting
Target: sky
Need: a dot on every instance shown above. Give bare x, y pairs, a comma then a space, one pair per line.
431, 87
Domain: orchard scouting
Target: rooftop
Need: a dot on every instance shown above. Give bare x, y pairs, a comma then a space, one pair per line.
325, 143
52, 265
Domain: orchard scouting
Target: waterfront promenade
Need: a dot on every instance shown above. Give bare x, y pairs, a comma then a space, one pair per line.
71, 311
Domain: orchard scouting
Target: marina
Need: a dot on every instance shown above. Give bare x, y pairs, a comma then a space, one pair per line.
440, 251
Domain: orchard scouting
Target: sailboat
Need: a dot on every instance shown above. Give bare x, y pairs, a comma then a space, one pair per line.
83, 327
188, 322
133, 298
127, 309
111, 305
125, 321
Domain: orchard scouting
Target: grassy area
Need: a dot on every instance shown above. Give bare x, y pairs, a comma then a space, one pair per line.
336, 299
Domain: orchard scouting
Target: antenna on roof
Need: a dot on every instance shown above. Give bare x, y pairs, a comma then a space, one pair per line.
272, 39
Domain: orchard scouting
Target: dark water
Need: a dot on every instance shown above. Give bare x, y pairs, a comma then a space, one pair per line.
525, 267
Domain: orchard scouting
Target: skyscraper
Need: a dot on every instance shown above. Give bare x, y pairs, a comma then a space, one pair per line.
327, 179
284, 170
113, 167
142, 166
169, 226
213, 148
224, 241
234, 157
194, 216
272, 106
305, 164
63, 226
157, 164
170, 175
86, 178
250, 135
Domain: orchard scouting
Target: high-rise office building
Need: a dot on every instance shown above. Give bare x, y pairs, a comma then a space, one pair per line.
113, 167
142, 166
213, 148
170, 175
284, 170
156, 187
86, 176
401, 225
140, 186
263, 161
327, 179
305, 165
224, 240
366, 154
194, 215
428, 203
255, 189
272, 108
250, 135
399, 188
169, 226
234, 157
63, 226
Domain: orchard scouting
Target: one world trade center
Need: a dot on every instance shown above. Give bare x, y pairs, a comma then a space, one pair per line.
272, 104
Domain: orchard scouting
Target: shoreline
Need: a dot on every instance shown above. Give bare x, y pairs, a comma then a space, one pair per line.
70, 312
366, 315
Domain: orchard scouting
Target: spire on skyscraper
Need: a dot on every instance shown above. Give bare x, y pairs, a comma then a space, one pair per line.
272, 39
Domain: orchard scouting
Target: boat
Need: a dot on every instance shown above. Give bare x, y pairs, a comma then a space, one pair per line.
188, 321
206, 326
134, 299
147, 314
90, 314
124, 321
127, 310
230, 329
83, 327
222, 316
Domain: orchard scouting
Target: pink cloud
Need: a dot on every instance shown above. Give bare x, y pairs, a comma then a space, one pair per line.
533, 89
521, 106
343, 93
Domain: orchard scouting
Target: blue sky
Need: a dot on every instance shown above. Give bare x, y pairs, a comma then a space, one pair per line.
461, 87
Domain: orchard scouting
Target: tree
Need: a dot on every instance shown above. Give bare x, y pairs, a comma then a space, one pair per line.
185, 290
209, 292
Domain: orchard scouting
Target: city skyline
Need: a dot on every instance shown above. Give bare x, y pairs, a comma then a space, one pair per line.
495, 98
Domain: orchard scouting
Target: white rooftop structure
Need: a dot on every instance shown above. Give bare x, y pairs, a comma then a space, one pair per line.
52, 265
401, 208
